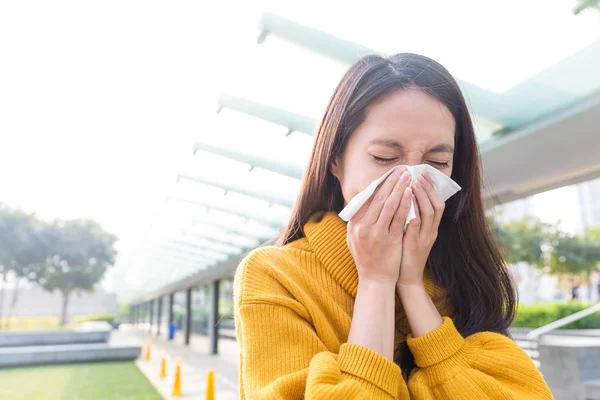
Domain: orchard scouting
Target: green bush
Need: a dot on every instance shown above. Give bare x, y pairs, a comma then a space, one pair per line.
124, 310
30, 323
93, 317
535, 316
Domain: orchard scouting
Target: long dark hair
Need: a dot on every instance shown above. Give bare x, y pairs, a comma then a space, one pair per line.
465, 260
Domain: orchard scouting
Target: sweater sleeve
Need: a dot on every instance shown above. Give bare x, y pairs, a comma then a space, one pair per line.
282, 357
485, 365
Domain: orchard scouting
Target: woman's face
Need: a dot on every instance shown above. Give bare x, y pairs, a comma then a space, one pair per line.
406, 127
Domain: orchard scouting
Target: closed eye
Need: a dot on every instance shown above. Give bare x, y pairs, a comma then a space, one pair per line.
439, 164
381, 160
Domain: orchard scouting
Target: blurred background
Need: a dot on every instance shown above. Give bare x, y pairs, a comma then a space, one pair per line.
147, 146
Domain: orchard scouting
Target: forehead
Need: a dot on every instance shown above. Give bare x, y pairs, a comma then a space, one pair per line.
409, 116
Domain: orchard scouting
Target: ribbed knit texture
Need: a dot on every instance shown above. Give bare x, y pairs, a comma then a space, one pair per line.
293, 312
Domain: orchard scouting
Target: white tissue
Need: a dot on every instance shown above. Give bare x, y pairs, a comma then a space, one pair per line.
442, 185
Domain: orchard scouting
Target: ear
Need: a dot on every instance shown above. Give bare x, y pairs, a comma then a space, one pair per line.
335, 167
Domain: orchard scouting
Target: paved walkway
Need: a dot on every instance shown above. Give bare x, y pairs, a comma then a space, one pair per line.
196, 362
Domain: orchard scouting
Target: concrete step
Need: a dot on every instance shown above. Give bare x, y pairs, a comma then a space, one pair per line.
59, 354
12, 339
592, 390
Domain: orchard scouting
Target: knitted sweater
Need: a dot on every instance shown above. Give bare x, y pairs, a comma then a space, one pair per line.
293, 311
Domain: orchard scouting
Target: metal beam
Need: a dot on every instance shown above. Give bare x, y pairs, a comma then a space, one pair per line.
217, 247
294, 122
210, 255
278, 166
209, 206
234, 230
258, 194
249, 241
347, 52
343, 51
180, 254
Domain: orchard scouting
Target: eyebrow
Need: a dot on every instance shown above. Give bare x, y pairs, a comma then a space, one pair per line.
388, 142
440, 148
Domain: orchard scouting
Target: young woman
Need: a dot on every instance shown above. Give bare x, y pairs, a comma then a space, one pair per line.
364, 310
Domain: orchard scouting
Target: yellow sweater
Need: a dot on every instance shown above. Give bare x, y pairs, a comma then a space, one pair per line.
293, 310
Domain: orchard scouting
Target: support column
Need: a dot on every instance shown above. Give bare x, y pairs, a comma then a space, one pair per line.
213, 329
159, 319
188, 315
151, 311
171, 303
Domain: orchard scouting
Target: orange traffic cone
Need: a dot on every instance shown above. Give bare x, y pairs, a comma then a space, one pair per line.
163, 365
210, 385
177, 384
148, 355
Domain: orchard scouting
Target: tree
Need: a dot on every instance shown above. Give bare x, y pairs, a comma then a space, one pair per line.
586, 4
542, 244
575, 255
78, 254
593, 233
20, 250
524, 240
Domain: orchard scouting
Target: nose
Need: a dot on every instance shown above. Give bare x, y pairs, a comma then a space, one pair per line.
410, 162
412, 158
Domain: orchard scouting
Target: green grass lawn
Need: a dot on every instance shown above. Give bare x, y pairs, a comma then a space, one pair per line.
107, 381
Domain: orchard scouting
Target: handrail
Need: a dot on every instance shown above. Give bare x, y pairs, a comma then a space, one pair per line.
536, 333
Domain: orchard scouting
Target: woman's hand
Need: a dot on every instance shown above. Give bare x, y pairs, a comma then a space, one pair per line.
375, 232
421, 233
423, 317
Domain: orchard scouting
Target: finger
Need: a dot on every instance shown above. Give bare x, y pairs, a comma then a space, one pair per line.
436, 202
397, 225
362, 210
380, 196
425, 207
392, 203
414, 226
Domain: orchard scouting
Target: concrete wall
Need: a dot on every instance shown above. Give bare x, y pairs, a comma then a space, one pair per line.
566, 369
35, 302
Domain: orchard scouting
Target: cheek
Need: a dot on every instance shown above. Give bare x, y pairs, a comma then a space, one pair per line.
354, 184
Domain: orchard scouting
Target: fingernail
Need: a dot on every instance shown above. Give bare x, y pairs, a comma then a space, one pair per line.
423, 181
405, 176
417, 184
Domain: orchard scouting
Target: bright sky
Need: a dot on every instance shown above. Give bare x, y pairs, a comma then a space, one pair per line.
101, 102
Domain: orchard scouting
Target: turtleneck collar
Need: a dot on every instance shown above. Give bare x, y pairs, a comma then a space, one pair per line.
326, 234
